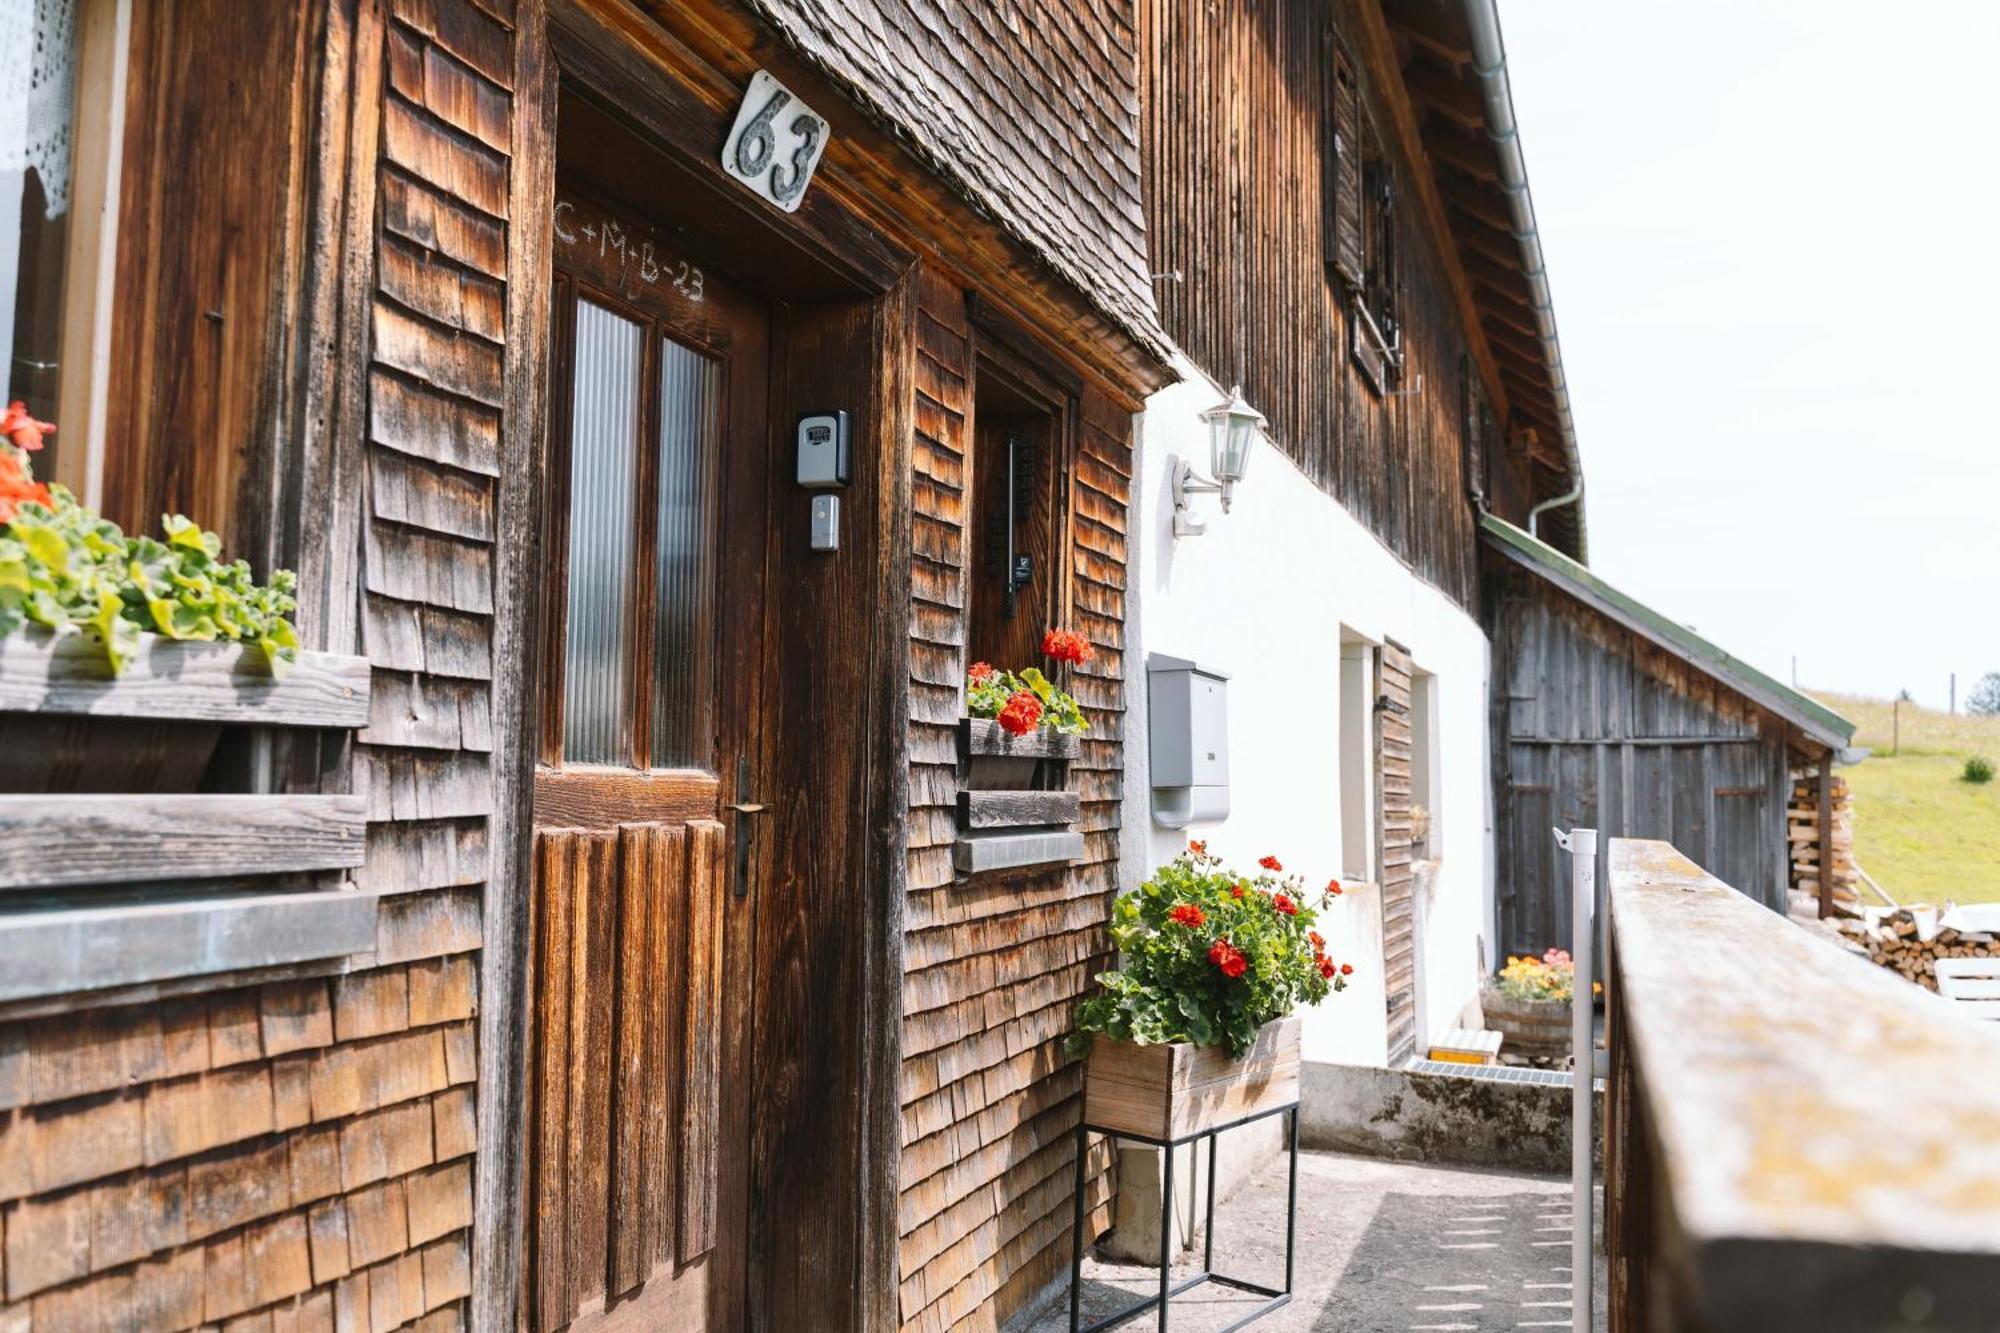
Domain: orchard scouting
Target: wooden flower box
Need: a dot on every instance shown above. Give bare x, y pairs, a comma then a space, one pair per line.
136, 848
1174, 1091
68, 724
1012, 810
1529, 1027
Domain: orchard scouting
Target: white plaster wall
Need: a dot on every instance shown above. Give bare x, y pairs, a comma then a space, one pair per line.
1263, 595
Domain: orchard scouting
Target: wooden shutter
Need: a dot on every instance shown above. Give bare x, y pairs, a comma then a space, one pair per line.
1343, 166
1392, 788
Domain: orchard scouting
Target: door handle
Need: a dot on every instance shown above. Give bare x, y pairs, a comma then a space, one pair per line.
744, 808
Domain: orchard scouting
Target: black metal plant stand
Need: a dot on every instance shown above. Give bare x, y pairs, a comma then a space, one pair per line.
1168, 1287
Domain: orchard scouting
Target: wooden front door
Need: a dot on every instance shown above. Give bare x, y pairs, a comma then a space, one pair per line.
645, 854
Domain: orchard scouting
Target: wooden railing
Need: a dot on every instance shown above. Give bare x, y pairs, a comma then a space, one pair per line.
1795, 1139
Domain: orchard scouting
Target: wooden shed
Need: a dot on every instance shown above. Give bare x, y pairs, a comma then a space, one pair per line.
1607, 714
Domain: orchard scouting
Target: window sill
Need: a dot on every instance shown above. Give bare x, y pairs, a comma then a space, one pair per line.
1014, 849
66, 951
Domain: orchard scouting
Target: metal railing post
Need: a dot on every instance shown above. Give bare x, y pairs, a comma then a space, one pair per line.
1581, 844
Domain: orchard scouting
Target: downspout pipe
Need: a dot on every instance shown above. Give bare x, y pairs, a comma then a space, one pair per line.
1489, 63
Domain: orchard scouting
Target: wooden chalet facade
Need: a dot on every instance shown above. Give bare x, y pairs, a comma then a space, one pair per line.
656, 997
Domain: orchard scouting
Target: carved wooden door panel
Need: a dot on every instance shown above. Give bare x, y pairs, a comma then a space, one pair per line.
655, 491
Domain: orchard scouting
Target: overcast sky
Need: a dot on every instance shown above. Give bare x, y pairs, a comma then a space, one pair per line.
1773, 236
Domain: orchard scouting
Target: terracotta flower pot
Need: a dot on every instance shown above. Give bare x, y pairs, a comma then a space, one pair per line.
1179, 1089
1530, 1027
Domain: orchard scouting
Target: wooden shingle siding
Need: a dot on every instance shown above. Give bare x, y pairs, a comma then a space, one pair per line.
299, 1154
167, 1165
993, 967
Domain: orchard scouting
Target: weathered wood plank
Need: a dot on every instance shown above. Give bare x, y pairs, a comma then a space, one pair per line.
1740, 1033
43, 672
54, 953
984, 736
49, 841
1005, 850
556, 869
1013, 809
701, 1041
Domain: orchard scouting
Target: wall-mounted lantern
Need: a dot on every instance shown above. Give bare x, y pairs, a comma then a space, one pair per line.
1232, 428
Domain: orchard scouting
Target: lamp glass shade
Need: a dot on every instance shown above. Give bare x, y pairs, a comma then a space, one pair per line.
1232, 430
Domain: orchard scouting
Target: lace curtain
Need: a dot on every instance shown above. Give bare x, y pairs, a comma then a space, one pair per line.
39, 36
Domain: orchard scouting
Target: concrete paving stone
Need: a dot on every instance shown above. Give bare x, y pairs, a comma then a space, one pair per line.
1383, 1247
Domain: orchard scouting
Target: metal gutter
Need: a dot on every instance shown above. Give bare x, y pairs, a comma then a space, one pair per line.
1489, 62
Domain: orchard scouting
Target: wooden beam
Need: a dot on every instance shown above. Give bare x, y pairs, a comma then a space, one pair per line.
1469, 153
1428, 26
1721, 1001
1440, 89
123, 839
1484, 206
499, 1243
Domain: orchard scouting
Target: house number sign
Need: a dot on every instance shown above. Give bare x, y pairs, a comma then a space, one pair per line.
775, 143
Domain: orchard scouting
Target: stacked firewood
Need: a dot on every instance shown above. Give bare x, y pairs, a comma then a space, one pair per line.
1802, 830
1895, 940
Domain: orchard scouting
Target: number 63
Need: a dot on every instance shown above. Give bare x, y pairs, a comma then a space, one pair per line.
758, 147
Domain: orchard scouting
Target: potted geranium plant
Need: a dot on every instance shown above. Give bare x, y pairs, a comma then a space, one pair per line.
1194, 1027
82, 603
1020, 717
1529, 1004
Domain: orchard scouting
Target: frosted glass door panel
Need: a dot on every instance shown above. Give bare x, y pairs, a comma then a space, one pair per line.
684, 576
603, 532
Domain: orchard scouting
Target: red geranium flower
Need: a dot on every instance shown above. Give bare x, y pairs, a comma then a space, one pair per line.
1186, 914
1326, 968
1228, 957
23, 430
1197, 846
1346, 969
1236, 891
1318, 941
1333, 888
1022, 712
16, 487
1064, 645
980, 672
1284, 904
1270, 863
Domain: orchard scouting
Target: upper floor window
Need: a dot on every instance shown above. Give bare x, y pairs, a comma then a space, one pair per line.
1361, 236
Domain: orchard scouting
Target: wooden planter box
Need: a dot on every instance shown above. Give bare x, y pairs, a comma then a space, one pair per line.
153, 878
1179, 1090
67, 724
1012, 810
1529, 1027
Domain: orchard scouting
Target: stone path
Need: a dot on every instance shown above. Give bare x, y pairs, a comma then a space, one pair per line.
1383, 1247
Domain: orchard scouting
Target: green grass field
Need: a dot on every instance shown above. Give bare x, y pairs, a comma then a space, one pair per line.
1926, 835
